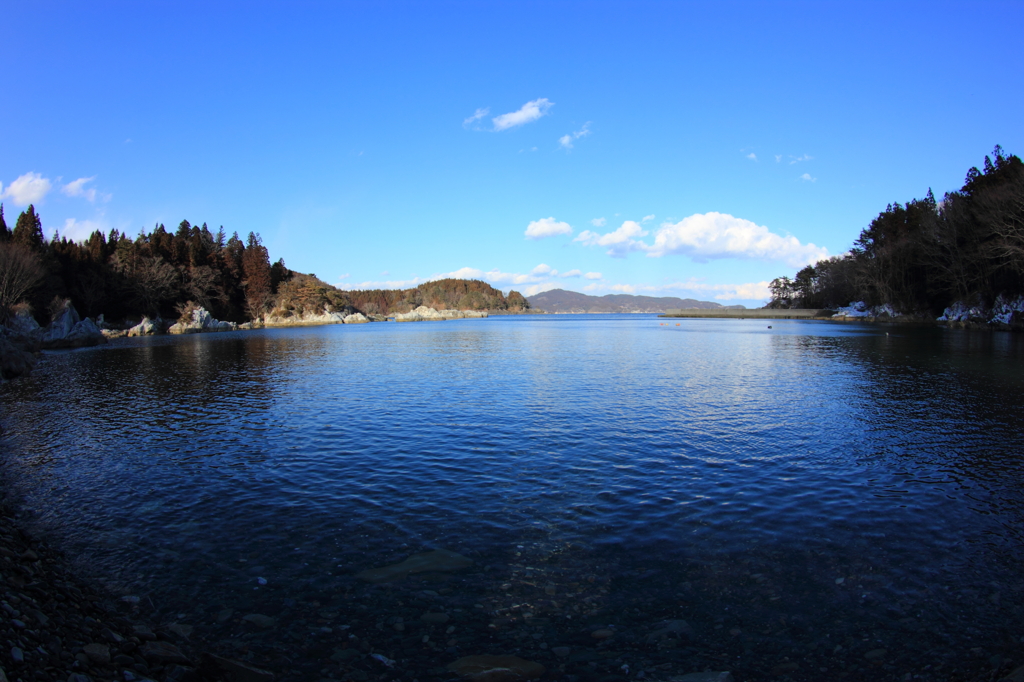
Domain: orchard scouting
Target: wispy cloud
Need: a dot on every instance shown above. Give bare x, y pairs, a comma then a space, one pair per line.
546, 227
648, 218
571, 273
27, 189
806, 177
752, 156
798, 159
592, 275
529, 112
475, 119
565, 141
598, 222
77, 188
704, 237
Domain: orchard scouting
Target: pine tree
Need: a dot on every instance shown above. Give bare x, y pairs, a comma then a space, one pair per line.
28, 231
5, 234
256, 265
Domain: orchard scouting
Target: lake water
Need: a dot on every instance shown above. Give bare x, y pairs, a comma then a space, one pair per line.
804, 496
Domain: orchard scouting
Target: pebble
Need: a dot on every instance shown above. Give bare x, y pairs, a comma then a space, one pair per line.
876, 654
496, 668
723, 676
97, 653
259, 620
603, 633
435, 618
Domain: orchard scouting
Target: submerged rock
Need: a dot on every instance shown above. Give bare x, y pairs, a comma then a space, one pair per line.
16, 358
236, 671
496, 668
438, 560
720, 676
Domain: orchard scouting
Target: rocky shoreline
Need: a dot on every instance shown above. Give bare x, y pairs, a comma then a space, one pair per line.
440, 616
55, 627
22, 338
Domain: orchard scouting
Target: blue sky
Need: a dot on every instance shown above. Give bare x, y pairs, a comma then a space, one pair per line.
660, 148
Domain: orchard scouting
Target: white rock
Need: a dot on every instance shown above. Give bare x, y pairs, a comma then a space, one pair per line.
70, 331
304, 320
356, 318
145, 328
202, 321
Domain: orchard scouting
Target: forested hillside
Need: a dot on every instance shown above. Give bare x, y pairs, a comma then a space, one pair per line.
154, 274
161, 273
562, 301
923, 256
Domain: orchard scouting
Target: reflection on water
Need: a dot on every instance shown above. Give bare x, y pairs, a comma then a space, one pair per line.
837, 477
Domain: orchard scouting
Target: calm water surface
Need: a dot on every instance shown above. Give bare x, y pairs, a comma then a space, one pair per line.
809, 485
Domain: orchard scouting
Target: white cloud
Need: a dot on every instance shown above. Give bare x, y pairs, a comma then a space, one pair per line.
476, 117
706, 236
718, 235
529, 112
386, 284
806, 177
565, 141
648, 218
541, 278
80, 230
598, 222
693, 288
27, 189
752, 156
778, 158
546, 227
750, 291
620, 242
77, 189
798, 159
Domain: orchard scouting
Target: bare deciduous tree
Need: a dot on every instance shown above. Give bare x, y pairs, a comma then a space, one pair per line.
20, 272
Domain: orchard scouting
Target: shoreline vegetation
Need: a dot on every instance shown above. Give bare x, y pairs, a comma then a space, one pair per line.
59, 293
957, 261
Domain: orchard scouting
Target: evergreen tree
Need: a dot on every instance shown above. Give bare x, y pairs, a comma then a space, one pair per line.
5, 234
28, 231
258, 283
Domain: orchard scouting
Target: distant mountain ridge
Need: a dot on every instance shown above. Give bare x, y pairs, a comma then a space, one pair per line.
562, 301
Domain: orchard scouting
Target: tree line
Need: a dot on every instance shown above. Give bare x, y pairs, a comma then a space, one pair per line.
922, 256
164, 273
155, 274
